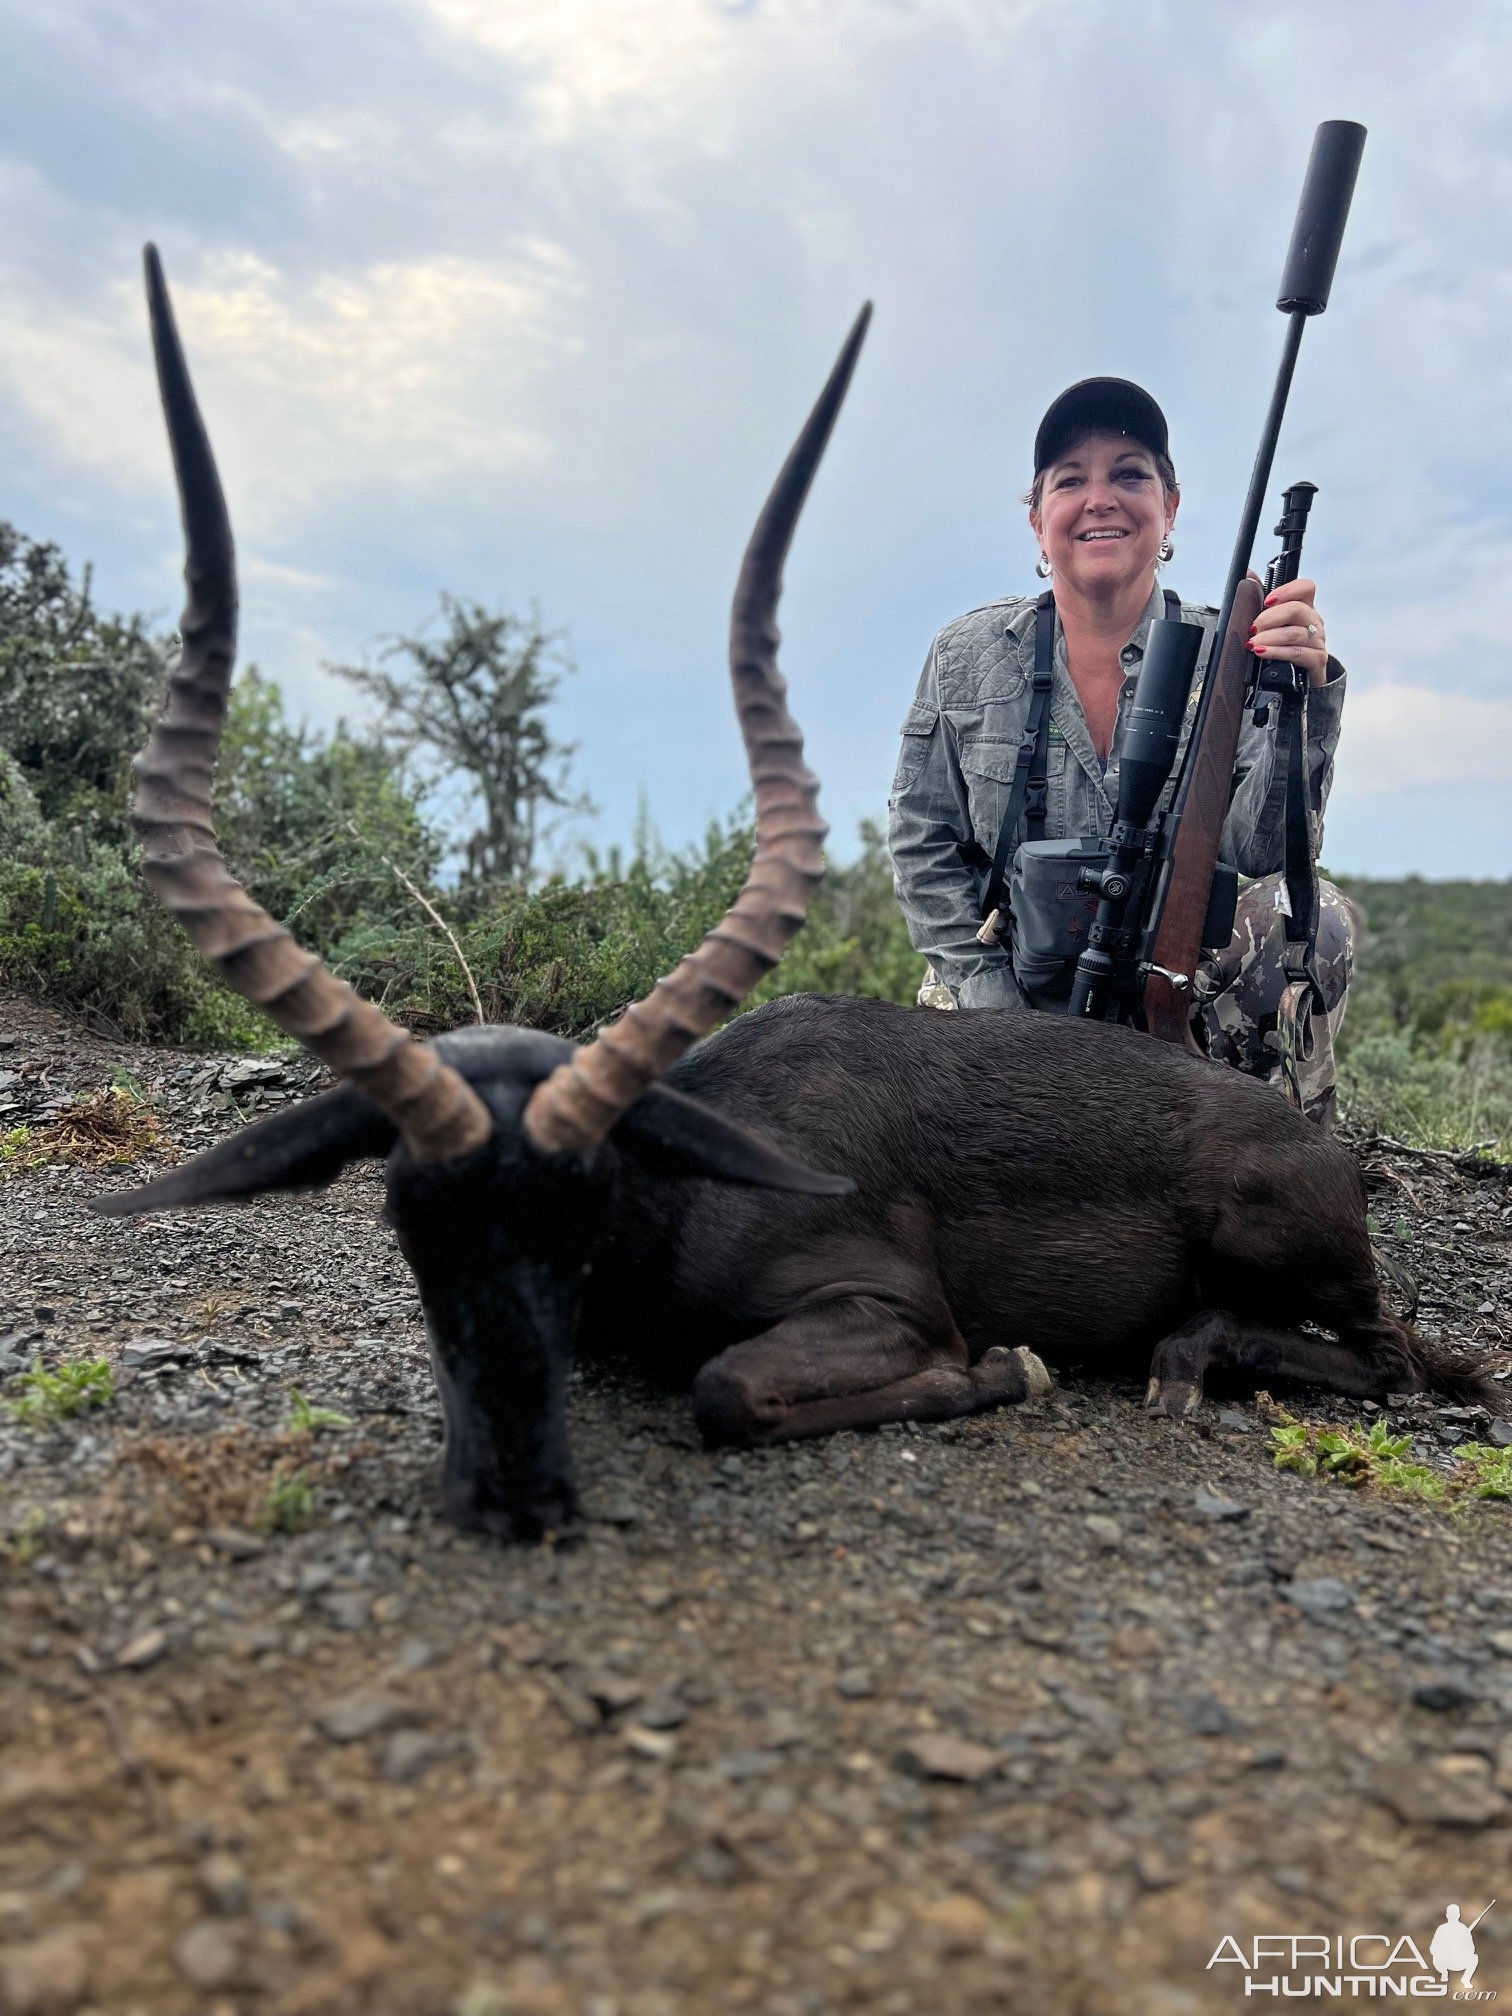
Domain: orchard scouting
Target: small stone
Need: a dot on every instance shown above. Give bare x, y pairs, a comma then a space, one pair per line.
1499, 1434
224, 1883
937, 1755
146, 1354
1422, 1797
1320, 1595
582, 1713
1234, 1422
962, 1922
235, 1544
1266, 1758
1206, 1714
656, 1745
1154, 1870
1107, 1532
740, 1765
855, 1684
414, 1655
143, 1650
1500, 1643
351, 1717
1442, 1697
46, 1976
713, 1864
484, 1998
347, 1609
613, 1692
209, 1955
1486, 1309
1211, 1507
662, 1710
410, 1753
616, 1511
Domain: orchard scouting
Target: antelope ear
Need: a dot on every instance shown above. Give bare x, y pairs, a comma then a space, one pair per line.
678, 1136
302, 1148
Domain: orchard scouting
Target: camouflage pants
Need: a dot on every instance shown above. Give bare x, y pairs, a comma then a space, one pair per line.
1239, 990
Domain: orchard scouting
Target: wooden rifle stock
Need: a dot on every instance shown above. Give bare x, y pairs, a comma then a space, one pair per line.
1201, 807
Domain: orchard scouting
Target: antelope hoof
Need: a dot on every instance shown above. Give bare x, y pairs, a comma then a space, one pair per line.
1035, 1371
1172, 1398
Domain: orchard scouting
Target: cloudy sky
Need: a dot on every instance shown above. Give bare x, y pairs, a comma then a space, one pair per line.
523, 299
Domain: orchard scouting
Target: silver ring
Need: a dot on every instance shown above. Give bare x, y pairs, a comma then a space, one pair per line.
1312, 629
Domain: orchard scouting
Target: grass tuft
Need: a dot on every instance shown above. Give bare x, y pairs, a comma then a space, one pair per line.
50, 1397
1376, 1457
112, 1127
290, 1504
305, 1417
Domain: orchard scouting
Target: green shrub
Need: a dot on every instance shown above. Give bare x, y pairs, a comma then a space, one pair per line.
1393, 1084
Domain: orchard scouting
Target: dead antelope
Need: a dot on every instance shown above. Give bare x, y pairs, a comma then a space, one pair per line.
1007, 1188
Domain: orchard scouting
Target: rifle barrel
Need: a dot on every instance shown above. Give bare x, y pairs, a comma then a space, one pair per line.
1316, 237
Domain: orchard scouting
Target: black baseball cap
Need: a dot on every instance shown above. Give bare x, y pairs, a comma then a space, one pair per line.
1112, 403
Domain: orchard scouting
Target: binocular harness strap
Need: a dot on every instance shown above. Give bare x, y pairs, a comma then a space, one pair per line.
1029, 792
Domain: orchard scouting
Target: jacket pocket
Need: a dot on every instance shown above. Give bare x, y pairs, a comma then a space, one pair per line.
919, 724
988, 764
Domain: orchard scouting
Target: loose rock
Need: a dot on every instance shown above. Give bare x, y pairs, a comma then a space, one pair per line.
46, 1976
936, 1755
362, 1714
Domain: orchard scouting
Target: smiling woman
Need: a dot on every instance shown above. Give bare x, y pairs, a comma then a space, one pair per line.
1016, 729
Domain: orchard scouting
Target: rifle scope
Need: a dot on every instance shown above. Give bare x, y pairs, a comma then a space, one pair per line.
1153, 727
1151, 733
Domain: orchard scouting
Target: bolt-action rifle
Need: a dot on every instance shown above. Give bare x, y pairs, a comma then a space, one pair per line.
1155, 890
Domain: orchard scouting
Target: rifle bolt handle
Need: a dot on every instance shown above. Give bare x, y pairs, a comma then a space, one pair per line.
1180, 981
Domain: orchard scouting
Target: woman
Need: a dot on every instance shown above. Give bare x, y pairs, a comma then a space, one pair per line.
1103, 509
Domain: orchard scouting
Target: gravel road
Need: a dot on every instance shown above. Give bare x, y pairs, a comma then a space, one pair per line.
1026, 1713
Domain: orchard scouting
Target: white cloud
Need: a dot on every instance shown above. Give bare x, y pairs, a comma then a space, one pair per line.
584, 58
401, 372
1400, 738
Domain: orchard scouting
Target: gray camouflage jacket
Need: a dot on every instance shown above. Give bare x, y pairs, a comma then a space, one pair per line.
961, 738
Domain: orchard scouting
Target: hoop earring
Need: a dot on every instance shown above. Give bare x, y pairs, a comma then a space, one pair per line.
1167, 550
1043, 568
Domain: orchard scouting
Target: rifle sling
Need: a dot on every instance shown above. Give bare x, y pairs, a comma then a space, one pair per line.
1300, 871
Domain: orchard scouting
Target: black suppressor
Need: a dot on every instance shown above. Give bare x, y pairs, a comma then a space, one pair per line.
1321, 216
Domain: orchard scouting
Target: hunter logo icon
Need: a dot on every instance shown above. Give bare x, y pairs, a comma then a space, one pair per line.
1452, 1948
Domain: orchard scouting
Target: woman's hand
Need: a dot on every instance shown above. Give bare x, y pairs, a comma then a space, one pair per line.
1290, 630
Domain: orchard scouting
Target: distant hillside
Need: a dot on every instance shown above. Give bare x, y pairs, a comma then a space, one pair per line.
1430, 944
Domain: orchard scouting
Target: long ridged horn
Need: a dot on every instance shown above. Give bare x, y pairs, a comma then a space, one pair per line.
435, 1109
583, 1098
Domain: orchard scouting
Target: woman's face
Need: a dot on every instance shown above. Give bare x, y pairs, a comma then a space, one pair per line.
1103, 513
